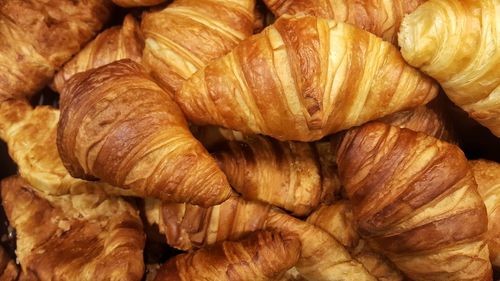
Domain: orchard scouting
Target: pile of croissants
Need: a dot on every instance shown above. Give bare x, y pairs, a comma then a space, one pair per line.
262, 140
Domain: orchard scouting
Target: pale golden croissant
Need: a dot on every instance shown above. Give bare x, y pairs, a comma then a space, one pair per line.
261, 256
30, 135
188, 34
284, 174
137, 3
187, 226
458, 44
338, 220
115, 43
379, 17
415, 198
39, 36
303, 78
83, 236
487, 175
118, 125
8, 268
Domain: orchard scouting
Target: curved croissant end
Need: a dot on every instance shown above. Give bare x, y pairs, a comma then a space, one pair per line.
284, 174
322, 258
189, 226
84, 236
458, 44
415, 197
115, 43
118, 125
487, 175
338, 220
303, 78
379, 17
188, 34
262, 256
39, 36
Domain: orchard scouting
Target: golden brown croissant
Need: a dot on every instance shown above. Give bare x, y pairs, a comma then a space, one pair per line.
39, 36
458, 44
303, 78
188, 34
338, 220
118, 125
8, 268
189, 226
30, 135
379, 17
115, 43
487, 175
83, 236
137, 3
261, 256
284, 174
415, 198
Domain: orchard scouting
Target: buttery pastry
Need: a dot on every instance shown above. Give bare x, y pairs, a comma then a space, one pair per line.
185, 36
115, 43
487, 175
457, 42
39, 36
118, 125
379, 17
30, 134
82, 236
338, 220
137, 3
284, 174
8, 268
303, 78
414, 198
262, 256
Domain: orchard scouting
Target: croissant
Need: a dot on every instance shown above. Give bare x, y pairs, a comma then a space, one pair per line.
83, 236
338, 220
118, 125
189, 226
487, 174
188, 34
8, 268
115, 43
414, 198
381, 18
39, 36
137, 3
284, 174
458, 44
30, 135
261, 256
330, 183
301, 79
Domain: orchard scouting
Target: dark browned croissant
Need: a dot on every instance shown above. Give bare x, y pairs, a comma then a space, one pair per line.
487, 175
8, 268
39, 36
379, 17
338, 220
118, 125
185, 36
137, 3
82, 236
262, 256
115, 43
284, 174
303, 78
415, 199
